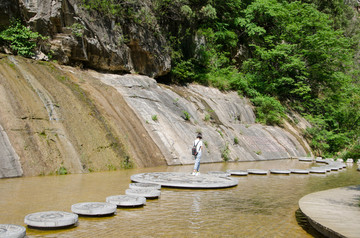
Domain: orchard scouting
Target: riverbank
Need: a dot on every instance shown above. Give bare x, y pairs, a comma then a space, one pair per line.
334, 212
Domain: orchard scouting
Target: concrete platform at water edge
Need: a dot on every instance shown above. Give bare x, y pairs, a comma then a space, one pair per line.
334, 212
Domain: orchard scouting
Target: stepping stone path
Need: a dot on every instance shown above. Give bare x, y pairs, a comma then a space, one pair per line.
306, 159
299, 171
12, 231
320, 160
148, 185
94, 208
145, 185
237, 172
276, 171
51, 219
317, 170
219, 173
143, 192
184, 180
126, 200
257, 171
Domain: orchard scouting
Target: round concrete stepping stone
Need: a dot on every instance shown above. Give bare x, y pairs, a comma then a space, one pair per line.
349, 161
306, 159
51, 219
145, 185
237, 172
334, 168
94, 208
12, 231
327, 168
185, 180
278, 171
143, 192
126, 200
320, 160
257, 171
299, 171
219, 173
317, 171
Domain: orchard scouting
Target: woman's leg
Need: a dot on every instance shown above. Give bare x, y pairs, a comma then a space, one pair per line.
197, 162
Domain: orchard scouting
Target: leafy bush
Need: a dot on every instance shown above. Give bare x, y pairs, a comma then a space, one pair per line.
20, 39
268, 110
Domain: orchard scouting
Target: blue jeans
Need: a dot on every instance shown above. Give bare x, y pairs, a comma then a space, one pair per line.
197, 161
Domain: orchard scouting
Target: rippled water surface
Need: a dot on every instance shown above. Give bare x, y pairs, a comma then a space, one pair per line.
260, 206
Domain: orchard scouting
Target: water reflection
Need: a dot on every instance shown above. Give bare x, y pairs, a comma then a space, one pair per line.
260, 206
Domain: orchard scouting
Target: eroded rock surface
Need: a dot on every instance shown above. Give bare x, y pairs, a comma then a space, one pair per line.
62, 119
87, 38
221, 117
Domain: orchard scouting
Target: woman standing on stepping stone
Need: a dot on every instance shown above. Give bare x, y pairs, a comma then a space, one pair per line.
198, 145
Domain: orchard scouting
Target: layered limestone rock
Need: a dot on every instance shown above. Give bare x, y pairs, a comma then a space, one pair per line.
55, 118
88, 38
173, 115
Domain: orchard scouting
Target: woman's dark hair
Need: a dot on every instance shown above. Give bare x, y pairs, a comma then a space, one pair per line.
199, 135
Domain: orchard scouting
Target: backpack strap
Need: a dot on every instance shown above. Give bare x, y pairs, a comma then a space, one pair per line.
196, 145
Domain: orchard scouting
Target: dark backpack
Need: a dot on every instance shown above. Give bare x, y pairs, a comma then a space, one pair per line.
193, 151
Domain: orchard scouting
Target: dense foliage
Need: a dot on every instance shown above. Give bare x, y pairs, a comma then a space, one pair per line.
302, 54
20, 38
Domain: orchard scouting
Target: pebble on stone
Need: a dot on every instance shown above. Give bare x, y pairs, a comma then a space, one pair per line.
12, 231
257, 171
237, 172
299, 171
51, 219
94, 208
145, 185
143, 192
277, 171
126, 200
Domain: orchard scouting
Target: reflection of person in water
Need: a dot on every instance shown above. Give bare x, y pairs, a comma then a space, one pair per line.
199, 145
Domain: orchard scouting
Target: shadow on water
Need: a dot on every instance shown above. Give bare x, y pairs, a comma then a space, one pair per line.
304, 223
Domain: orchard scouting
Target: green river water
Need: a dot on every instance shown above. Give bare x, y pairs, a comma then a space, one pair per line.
260, 206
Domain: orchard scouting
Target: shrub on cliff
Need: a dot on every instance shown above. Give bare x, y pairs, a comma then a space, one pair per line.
20, 39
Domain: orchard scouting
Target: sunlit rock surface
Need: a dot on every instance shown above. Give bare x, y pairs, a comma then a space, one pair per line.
60, 119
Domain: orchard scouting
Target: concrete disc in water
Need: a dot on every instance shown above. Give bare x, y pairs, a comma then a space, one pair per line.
93, 208
12, 231
126, 200
145, 185
299, 171
257, 171
143, 192
317, 171
237, 172
185, 180
51, 219
306, 159
278, 171
219, 173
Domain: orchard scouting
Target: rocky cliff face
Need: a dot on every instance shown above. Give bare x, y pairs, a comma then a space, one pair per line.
56, 117
86, 38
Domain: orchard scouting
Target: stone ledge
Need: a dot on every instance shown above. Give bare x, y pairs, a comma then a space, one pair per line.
333, 212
